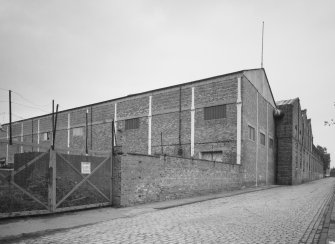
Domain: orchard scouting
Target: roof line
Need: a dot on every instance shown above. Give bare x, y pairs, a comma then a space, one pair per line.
267, 80
141, 93
285, 100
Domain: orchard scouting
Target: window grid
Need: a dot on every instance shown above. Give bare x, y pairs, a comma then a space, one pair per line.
132, 124
215, 112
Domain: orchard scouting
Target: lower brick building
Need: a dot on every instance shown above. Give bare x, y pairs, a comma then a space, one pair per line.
227, 119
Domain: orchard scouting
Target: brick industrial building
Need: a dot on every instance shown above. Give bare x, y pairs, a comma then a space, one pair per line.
231, 119
298, 159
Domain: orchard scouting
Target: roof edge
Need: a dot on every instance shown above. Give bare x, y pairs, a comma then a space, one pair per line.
137, 94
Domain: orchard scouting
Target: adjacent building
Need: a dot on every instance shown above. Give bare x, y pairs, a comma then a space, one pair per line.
298, 159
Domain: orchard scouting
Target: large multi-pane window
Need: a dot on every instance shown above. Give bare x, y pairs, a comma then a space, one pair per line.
132, 124
215, 112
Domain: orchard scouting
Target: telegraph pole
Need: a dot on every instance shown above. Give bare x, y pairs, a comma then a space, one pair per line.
53, 123
54, 129
86, 149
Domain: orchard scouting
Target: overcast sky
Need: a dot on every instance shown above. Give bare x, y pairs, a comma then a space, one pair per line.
80, 52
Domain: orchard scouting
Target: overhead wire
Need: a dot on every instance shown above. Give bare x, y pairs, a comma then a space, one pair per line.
18, 116
4, 89
37, 106
30, 106
20, 95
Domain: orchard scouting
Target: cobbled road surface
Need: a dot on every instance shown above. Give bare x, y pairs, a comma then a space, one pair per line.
285, 214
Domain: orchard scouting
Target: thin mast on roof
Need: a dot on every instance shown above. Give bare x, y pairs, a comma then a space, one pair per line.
262, 44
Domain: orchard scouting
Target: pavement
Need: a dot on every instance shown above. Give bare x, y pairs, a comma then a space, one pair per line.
270, 214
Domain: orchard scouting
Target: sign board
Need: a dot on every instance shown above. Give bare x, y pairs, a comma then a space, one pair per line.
85, 167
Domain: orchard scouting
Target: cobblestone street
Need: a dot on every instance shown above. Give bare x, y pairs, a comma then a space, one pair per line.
288, 214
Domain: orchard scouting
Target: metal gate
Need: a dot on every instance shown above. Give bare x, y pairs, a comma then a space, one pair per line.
81, 181
54, 181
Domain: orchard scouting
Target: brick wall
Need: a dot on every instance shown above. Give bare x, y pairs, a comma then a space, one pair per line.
284, 130
258, 160
210, 135
149, 178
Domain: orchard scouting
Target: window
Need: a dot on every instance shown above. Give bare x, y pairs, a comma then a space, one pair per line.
270, 143
212, 156
78, 131
46, 136
132, 124
215, 112
251, 133
262, 138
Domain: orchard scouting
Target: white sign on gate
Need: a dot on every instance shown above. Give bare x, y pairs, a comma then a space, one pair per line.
85, 167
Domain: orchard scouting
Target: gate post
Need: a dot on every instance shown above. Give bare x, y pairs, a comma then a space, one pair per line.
52, 181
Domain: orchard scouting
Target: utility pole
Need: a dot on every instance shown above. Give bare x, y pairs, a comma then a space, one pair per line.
10, 118
113, 135
53, 123
54, 129
86, 149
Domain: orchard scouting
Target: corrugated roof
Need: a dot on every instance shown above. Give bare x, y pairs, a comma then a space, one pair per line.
285, 102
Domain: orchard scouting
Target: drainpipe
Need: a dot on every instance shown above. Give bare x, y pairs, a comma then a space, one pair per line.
180, 150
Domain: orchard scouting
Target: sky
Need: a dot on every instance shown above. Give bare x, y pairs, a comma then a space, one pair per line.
80, 52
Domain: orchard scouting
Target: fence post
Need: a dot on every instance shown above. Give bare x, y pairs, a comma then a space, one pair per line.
52, 181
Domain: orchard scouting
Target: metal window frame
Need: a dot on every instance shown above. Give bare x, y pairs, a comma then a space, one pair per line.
132, 124
215, 112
